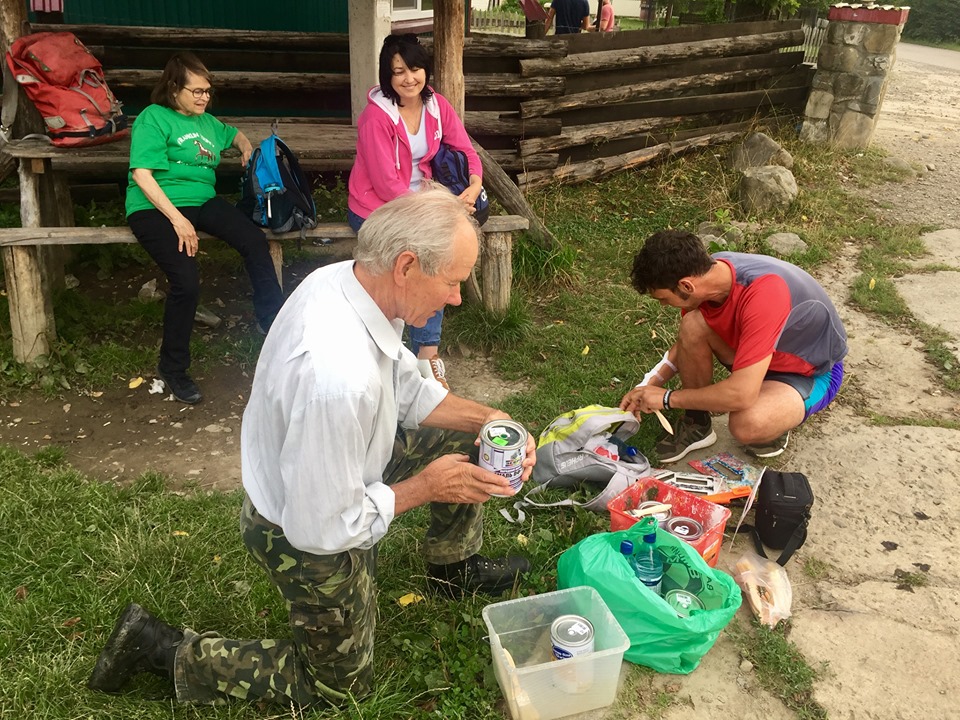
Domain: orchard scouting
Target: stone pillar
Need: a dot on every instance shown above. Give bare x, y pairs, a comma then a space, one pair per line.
852, 71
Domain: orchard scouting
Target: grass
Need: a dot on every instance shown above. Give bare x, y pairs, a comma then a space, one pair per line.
576, 332
780, 666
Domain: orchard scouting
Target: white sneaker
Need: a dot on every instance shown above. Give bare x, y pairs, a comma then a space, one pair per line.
433, 368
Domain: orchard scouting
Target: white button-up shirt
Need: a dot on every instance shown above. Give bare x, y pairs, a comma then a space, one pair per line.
332, 384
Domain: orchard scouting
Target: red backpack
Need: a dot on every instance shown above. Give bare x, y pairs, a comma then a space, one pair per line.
65, 82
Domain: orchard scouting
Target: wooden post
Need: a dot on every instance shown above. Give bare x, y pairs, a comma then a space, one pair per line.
448, 20
29, 271
31, 307
496, 271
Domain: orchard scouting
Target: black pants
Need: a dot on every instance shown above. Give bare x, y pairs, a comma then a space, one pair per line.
217, 217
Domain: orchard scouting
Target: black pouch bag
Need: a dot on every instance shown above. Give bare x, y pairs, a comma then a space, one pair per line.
783, 507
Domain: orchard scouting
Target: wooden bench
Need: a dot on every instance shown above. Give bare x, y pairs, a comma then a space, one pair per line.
31, 308
299, 80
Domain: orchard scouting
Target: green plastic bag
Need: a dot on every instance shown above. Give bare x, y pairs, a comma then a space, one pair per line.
659, 638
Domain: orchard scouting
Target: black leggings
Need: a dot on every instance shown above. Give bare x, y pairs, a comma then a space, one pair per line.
216, 217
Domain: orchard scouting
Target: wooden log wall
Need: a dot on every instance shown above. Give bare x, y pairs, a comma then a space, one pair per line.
535, 105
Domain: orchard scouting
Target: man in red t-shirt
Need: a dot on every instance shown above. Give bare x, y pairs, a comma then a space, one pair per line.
765, 320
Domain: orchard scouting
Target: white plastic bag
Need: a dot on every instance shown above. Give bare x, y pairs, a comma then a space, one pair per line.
766, 587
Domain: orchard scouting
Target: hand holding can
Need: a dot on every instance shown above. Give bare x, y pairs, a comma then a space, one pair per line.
503, 448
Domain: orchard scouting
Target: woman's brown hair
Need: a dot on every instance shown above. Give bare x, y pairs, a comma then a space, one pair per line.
174, 78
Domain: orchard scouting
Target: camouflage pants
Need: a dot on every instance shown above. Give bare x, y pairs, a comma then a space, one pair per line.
331, 598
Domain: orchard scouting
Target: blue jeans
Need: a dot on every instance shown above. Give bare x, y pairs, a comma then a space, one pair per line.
429, 334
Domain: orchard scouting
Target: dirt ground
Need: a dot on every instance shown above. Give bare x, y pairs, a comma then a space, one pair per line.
884, 494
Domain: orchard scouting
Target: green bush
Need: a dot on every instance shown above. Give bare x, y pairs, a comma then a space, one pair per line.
936, 21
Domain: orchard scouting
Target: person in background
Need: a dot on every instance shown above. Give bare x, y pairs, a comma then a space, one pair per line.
767, 321
605, 17
174, 152
572, 16
398, 134
338, 439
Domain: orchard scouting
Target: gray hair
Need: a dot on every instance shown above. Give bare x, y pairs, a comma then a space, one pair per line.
422, 222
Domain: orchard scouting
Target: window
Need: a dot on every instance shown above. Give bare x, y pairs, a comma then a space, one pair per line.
407, 9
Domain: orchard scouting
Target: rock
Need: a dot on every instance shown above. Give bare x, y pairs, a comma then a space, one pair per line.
767, 189
726, 233
899, 164
149, 293
713, 240
759, 150
206, 317
70, 282
746, 666
931, 167
786, 243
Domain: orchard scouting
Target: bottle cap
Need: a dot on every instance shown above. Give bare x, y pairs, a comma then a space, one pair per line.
651, 538
626, 547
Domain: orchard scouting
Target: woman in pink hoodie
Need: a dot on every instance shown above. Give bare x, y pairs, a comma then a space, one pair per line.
398, 133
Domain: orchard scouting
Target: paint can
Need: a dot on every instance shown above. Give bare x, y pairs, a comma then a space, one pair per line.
503, 447
572, 637
683, 602
661, 517
685, 528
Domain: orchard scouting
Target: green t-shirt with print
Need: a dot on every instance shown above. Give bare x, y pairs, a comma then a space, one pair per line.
182, 150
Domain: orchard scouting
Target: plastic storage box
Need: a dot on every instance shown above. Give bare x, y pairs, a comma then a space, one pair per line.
536, 685
713, 517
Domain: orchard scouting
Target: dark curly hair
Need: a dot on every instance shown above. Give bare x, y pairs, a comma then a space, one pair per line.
667, 257
414, 55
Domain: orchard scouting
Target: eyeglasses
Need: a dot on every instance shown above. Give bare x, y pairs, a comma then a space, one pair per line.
199, 92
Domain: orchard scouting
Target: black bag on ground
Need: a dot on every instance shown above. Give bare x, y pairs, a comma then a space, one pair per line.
783, 507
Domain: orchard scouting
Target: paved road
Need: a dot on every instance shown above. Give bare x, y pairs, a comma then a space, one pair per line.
938, 57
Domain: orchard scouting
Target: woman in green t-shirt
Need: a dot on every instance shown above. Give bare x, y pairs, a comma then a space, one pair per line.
174, 152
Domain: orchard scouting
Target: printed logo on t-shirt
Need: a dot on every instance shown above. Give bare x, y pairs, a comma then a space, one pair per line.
203, 153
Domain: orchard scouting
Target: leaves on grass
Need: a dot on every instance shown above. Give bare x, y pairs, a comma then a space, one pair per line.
586, 349
71, 622
409, 599
20, 594
180, 533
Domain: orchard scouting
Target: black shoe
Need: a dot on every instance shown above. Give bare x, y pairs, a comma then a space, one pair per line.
182, 386
478, 574
139, 643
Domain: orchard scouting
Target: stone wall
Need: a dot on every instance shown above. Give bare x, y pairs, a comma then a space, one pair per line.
852, 70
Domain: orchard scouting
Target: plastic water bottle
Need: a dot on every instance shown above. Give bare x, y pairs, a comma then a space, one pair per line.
649, 564
626, 548
628, 453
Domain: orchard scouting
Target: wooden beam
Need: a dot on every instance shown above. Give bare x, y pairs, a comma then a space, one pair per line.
480, 122
613, 60
599, 167
483, 45
233, 79
192, 38
612, 96
499, 184
598, 133
448, 22
593, 42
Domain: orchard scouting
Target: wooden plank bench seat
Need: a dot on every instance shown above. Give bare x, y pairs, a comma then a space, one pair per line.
493, 290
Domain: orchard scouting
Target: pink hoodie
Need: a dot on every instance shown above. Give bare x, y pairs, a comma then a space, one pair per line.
384, 160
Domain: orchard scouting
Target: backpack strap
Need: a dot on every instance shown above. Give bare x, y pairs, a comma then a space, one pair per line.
8, 112
795, 541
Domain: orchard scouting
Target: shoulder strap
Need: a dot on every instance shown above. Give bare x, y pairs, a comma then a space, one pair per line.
8, 112
795, 541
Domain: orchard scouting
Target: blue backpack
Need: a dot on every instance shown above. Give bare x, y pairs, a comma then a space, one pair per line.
451, 169
274, 192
